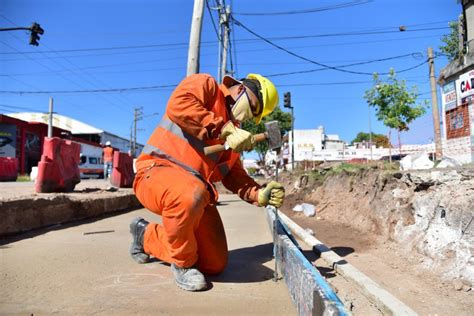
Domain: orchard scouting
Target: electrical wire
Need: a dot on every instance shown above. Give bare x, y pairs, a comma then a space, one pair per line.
353, 64
83, 76
90, 90
180, 45
305, 11
313, 61
357, 33
212, 19
8, 106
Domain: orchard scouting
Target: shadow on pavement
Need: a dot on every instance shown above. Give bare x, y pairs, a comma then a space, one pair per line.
246, 265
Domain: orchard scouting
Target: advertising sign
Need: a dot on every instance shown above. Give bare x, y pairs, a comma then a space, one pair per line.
7, 140
465, 87
449, 96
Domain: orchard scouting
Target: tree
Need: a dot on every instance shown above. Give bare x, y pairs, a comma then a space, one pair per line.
451, 42
379, 140
284, 120
394, 104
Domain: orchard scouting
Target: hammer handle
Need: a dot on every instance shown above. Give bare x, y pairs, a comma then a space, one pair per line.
209, 150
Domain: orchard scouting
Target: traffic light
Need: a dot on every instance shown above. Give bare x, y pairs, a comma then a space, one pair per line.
36, 30
287, 100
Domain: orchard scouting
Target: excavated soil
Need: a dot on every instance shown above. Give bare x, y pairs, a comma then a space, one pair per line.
409, 232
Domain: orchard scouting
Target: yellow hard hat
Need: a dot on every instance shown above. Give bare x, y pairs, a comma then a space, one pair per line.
269, 95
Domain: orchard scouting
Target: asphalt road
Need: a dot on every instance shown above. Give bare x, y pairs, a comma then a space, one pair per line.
64, 271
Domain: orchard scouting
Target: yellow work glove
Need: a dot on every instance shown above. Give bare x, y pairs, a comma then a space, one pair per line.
237, 139
273, 193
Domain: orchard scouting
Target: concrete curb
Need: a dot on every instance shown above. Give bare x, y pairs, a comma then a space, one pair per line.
29, 213
310, 292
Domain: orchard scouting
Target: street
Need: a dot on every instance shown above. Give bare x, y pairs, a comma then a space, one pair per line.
66, 271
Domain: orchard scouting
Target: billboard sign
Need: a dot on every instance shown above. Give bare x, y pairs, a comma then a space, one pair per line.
449, 98
465, 87
7, 140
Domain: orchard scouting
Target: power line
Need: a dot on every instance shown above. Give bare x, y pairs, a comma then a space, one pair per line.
329, 83
357, 33
91, 90
8, 106
212, 19
313, 10
354, 64
73, 72
310, 60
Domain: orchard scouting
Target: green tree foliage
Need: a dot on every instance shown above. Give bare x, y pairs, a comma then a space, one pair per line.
451, 42
379, 140
284, 120
394, 104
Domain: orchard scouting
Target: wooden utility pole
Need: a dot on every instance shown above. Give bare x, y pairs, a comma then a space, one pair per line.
50, 119
195, 38
434, 101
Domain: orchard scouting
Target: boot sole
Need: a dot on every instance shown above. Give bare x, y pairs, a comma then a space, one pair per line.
195, 288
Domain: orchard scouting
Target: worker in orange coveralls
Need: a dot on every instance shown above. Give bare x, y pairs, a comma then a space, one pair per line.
108, 157
174, 178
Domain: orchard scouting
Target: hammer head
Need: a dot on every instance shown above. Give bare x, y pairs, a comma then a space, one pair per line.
273, 134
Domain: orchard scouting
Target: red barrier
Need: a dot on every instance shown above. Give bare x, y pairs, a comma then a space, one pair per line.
58, 170
8, 168
122, 173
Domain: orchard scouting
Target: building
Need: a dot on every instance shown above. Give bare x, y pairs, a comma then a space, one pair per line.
79, 130
22, 136
308, 142
24, 140
457, 90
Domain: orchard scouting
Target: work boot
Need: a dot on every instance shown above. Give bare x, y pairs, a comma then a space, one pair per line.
137, 229
189, 279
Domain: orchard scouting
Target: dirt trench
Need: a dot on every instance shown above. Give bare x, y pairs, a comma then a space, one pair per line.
411, 232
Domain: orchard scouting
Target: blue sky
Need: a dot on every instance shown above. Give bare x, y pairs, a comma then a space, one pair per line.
96, 45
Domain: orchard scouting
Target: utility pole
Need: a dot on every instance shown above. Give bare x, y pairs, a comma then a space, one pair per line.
50, 118
434, 101
195, 38
131, 140
287, 104
224, 14
137, 116
370, 137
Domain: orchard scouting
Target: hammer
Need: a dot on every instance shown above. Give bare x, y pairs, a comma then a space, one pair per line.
272, 135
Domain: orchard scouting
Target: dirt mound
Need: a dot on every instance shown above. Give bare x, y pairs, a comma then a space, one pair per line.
411, 231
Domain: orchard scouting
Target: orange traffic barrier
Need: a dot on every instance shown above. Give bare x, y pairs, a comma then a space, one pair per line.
8, 168
58, 170
122, 172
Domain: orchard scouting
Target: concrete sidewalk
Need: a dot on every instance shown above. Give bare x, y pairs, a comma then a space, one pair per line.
22, 190
64, 271
22, 209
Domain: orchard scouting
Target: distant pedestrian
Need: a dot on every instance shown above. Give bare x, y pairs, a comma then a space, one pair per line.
108, 160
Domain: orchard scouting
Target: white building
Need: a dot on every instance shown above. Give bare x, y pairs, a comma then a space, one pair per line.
311, 142
315, 145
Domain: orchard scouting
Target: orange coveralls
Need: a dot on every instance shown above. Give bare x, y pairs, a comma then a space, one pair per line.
108, 154
192, 231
